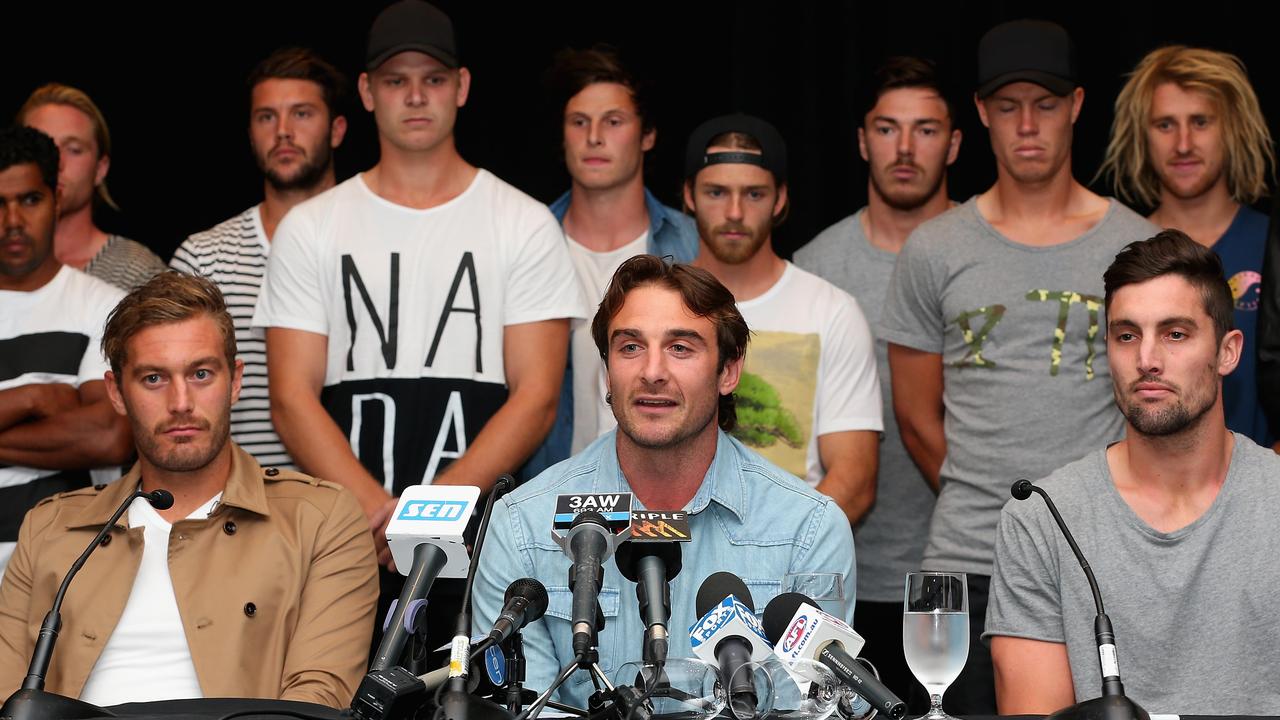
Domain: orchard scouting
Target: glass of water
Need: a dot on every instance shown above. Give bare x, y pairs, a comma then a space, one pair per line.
935, 632
825, 589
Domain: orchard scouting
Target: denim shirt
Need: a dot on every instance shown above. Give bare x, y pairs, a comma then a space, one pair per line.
671, 232
749, 517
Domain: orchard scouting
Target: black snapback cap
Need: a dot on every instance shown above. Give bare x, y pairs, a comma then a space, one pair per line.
411, 25
1027, 50
773, 151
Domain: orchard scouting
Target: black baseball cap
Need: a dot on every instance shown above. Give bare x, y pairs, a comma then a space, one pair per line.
1032, 50
773, 151
411, 25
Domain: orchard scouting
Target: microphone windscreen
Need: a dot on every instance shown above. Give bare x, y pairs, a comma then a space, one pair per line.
630, 552
719, 586
160, 499
779, 611
1021, 489
533, 591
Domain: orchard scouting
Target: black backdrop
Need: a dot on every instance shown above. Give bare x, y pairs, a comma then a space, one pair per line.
170, 80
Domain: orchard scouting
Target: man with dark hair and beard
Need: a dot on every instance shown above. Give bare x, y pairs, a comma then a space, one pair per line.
1177, 519
810, 396
253, 583
294, 126
908, 138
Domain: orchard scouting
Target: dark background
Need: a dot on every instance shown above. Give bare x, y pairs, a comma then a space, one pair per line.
170, 80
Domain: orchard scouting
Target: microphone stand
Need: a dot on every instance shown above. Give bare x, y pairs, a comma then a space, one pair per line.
1114, 704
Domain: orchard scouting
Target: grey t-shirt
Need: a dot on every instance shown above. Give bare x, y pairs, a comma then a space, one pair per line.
1026, 383
1193, 610
890, 538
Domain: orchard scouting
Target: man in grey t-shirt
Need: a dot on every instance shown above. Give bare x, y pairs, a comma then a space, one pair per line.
908, 139
1174, 519
993, 319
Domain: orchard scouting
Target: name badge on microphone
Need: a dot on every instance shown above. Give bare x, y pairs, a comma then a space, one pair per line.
729, 618
436, 514
615, 507
660, 526
810, 627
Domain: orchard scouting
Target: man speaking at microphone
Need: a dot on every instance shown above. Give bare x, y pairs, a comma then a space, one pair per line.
1177, 519
672, 342
255, 583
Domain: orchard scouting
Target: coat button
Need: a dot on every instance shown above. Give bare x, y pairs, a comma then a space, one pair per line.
106, 540
250, 609
272, 472
229, 527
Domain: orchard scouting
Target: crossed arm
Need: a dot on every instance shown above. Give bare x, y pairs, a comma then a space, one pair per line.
55, 426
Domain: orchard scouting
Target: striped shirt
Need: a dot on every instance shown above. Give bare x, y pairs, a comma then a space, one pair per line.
233, 254
124, 263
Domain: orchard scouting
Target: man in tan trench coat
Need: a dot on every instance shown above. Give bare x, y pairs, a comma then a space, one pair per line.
255, 583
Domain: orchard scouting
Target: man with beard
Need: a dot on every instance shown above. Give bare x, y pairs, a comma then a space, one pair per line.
908, 139
992, 320
56, 423
73, 120
1177, 519
673, 344
294, 126
810, 397
1190, 140
254, 583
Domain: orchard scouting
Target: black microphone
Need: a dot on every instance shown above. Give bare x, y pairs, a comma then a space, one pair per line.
588, 544
525, 601
734, 651
778, 615
30, 700
1113, 704
652, 566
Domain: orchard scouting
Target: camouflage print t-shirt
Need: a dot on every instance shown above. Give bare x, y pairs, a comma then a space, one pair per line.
1022, 337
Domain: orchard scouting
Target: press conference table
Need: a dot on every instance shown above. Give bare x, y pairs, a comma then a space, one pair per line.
216, 708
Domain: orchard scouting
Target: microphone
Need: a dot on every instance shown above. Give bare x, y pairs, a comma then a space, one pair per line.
425, 536
799, 630
1113, 705
525, 601
652, 566
729, 636
30, 700
588, 544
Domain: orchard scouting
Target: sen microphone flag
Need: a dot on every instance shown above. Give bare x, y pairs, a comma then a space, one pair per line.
435, 514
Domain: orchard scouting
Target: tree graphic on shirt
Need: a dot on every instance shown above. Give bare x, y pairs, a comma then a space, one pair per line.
762, 421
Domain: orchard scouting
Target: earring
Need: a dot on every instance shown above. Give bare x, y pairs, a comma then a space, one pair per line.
608, 398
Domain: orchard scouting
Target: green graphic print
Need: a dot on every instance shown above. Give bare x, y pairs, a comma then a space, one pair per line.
762, 420
973, 356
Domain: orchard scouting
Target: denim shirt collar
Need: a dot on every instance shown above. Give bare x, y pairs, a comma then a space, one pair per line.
723, 482
658, 218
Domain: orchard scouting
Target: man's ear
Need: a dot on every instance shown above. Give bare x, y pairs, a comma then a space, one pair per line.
114, 394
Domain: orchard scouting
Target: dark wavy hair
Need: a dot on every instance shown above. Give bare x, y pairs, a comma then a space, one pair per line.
1172, 252
21, 145
701, 293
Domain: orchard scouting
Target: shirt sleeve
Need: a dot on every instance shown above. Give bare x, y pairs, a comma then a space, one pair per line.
504, 563
292, 289
541, 281
912, 314
93, 364
831, 550
848, 382
1025, 600
327, 655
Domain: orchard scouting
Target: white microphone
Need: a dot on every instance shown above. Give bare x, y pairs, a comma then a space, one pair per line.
801, 631
425, 536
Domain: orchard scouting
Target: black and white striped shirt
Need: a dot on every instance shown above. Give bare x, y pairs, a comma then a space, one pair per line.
233, 254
